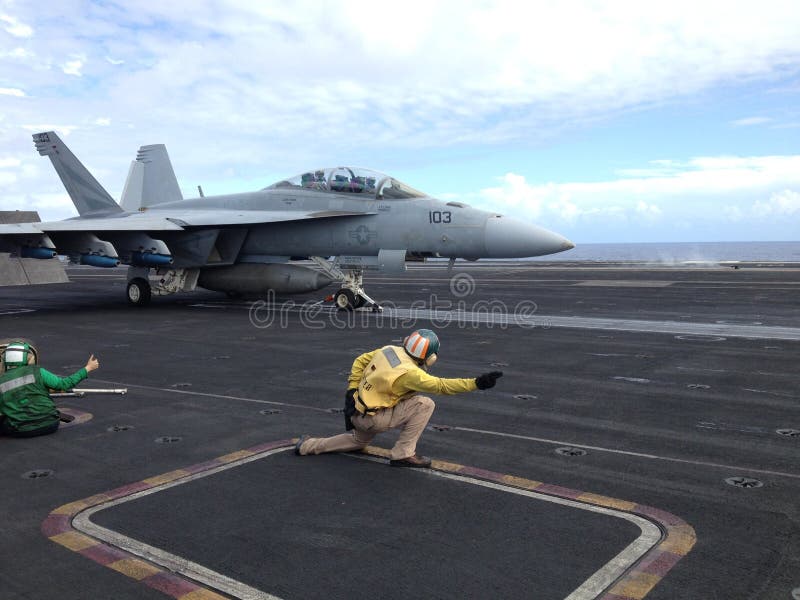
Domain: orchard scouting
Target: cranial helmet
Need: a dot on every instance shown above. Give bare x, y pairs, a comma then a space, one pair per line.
423, 345
16, 354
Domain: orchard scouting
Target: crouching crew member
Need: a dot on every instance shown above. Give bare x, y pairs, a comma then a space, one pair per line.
26, 409
383, 394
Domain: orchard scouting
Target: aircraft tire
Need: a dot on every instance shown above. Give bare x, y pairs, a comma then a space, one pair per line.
344, 299
359, 302
138, 292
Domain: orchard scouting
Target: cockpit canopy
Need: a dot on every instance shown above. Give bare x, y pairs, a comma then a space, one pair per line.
351, 180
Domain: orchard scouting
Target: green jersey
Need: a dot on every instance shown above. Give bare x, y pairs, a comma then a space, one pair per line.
24, 398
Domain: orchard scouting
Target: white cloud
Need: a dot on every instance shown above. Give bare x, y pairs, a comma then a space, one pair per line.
61, 129
8, 162
254, 89
750, 121
734, 213
73, 67
783, 203
15, 28
50, 206
515, 191
649, 211
414, 74
700, 189
18, 53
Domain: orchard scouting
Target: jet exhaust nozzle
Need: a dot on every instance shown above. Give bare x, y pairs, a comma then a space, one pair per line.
259, 279
97, 260
150, 259
40, 253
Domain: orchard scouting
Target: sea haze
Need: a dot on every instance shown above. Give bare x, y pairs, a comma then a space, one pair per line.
682, 252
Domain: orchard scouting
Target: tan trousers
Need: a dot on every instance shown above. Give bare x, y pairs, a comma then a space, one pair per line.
411, 415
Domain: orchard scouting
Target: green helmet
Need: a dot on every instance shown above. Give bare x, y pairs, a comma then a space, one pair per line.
16, 354
421, 344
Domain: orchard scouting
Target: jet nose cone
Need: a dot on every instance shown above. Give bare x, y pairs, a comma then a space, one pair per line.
507, 237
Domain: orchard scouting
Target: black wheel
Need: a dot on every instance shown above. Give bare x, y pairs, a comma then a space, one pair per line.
139, 292
359, 301
344, 299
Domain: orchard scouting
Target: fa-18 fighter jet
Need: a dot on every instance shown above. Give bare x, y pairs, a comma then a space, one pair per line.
344, 219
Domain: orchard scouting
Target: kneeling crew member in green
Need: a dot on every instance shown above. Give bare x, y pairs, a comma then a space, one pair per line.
382, 395
26, 409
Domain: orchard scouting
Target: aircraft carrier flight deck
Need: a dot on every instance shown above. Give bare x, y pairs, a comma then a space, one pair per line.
644, 441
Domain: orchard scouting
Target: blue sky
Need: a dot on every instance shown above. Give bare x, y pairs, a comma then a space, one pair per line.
605, 122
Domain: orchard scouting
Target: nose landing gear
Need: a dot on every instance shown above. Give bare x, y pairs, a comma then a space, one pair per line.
351, 295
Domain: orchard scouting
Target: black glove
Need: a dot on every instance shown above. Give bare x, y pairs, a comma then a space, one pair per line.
349, 407
487, 380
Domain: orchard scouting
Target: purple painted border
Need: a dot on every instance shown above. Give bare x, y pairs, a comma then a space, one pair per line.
679, 536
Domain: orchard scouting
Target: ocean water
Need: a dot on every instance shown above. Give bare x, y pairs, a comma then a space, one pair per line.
682, 252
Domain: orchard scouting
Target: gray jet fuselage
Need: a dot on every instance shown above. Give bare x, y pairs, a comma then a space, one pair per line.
424, 226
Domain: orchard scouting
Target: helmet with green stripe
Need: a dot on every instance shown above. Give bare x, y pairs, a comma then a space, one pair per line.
16, 354
422, 345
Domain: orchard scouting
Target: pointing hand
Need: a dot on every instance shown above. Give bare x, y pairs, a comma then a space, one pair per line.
487, 380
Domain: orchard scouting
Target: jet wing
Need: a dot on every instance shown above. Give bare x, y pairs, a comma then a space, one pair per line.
218, 218
172, 221
187, 238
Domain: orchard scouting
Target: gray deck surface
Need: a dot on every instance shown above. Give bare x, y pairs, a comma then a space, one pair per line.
666, 412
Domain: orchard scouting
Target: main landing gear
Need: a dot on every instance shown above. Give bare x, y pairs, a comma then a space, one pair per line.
166, 281
139, 291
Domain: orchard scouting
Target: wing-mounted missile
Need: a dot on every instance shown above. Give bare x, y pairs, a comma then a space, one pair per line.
38, 253
150, 259
87, 249
97, 260
140, 250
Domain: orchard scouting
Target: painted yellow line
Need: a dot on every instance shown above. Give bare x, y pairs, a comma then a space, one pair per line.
235, 456
680, 540
166, 477
636, 585
79, 505
74, 541
134, 568
606, 501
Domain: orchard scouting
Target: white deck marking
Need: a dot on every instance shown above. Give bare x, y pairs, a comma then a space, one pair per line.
608, 573
588, 590
548, 321
172, 562
207, 395
623, 283
16, 311
699, 463
482, 431
495, 318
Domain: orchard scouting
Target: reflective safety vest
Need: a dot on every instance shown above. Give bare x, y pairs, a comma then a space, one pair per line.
375, 388
24, 400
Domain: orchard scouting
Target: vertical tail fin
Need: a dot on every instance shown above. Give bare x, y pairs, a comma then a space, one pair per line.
88, 196
151, 179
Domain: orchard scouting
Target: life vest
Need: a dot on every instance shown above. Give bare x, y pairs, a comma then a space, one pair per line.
24, 400
375, 388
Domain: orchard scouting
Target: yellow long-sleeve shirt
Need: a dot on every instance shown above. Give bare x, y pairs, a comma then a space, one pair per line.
416, 380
